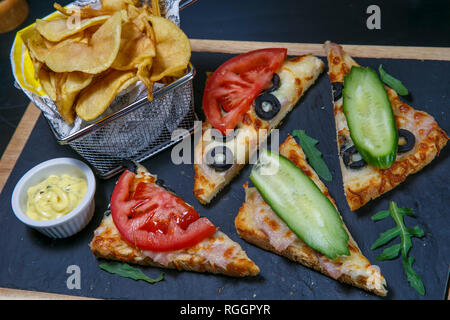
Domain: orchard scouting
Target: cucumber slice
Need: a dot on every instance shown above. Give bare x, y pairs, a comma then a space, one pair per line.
369, 117
297, 200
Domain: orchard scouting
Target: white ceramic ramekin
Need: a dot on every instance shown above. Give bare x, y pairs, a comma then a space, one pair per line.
70, 223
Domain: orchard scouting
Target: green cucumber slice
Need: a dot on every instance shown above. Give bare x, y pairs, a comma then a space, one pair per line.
369, 117
296, 199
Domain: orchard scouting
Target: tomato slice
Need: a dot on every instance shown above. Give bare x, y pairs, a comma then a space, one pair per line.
235, 85
151, 218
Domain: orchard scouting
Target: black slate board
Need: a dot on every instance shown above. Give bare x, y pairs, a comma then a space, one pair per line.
32, 261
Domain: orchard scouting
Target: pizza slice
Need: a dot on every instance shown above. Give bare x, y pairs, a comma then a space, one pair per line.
244, 100
258, 223
149, 225
420, 139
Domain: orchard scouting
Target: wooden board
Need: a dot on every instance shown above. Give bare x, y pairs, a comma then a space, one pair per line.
32, 113
296, 49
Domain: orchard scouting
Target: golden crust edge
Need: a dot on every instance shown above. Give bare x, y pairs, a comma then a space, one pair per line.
360, 197
293, 253
437, 139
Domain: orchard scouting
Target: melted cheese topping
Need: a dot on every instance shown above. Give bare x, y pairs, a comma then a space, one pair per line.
366, 183
418, 123
218, 250
279, 234
355, 266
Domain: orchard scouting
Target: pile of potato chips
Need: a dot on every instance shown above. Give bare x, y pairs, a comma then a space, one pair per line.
86, 57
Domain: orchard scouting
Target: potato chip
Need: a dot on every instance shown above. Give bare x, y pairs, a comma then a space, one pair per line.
135, 47
61, 9
68, 86
36, 44
37, 65
47, 79
58, 29
113, 5
132, 12
77, 37
94, 100
143, 74
27, 38
94, 57
156, 10
127, 84
173, 49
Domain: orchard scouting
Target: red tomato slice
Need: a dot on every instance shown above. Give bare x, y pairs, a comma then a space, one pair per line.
154, 219
235, 85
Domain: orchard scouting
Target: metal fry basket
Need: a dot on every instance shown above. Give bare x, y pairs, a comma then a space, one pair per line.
137, 131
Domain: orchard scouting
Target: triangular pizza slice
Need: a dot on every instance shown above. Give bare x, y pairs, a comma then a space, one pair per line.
266, 112
151, 226
421, 139
257, 223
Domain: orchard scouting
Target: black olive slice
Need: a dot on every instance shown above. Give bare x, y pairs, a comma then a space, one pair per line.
267, 106
337, 90
129, 165
348, 161
275, 83
409, 138
218, 136
220, 158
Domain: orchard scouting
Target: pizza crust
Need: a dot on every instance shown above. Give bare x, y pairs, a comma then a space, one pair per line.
367, 183
108, 244
215, 254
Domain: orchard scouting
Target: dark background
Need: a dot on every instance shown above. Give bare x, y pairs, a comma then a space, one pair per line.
403, 22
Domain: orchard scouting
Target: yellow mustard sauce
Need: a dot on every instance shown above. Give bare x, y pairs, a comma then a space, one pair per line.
55, 197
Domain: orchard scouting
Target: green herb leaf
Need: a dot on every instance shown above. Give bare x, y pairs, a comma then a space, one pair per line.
385, 237
313, 155
405, 234
397, 215
405, 211
416, 232
392, 82
125, 270
390, 253
381, 215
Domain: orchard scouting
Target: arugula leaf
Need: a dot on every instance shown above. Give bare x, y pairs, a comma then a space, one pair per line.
390, 253
313, 155
380, 215
403, 248
392, 82
385, 237
416, 231
127, 271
